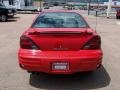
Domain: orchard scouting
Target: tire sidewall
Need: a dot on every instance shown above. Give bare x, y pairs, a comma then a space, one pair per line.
3, 18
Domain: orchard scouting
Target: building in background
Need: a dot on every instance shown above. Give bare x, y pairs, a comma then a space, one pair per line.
21, 4
55, 1
116, 3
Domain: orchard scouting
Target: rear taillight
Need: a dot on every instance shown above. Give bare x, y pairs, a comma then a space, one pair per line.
92, 44
27, 43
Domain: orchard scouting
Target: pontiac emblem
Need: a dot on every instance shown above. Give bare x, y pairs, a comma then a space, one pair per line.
60, 47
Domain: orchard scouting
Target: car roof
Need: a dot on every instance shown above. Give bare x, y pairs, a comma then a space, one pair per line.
62, 11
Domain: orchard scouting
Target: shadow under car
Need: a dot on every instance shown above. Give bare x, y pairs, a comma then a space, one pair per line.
79, 81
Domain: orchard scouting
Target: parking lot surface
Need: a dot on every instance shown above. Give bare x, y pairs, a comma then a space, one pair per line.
14, 78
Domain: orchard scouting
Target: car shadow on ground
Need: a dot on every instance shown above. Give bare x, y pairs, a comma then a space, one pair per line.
80, 81
13, 19
16, 17
28, 12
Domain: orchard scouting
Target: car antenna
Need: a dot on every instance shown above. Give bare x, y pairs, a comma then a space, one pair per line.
96, 14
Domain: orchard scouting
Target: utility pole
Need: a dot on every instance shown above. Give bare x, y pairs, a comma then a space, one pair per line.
89, 7
109, 8
40, 5
66, 2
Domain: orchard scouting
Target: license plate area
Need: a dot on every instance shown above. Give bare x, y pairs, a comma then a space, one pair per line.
60, 66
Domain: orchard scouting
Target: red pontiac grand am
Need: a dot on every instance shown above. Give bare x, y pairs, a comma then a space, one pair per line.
118, 14
60, 42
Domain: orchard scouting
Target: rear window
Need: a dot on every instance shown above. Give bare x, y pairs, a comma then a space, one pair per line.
59, 20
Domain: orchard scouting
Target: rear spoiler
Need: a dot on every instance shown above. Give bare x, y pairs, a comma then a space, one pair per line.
58, 32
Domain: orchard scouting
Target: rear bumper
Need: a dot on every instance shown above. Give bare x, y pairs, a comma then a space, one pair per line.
41, 61
12, 14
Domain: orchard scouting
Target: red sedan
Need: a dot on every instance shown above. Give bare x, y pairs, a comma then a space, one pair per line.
118, 14
60, 42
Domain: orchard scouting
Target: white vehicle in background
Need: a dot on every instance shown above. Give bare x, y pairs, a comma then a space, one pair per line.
21, 5
15, 4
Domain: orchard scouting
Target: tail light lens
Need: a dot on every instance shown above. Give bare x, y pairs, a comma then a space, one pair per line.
27, 43
94, 43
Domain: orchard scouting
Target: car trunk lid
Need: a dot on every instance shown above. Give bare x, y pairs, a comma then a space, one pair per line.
60, 39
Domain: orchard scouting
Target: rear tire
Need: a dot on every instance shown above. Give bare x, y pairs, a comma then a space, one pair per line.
3, 18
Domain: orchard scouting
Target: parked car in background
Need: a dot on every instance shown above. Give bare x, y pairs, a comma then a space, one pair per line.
56, 4
46, 7
60, 42
6, 12
118, 14
69, 7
